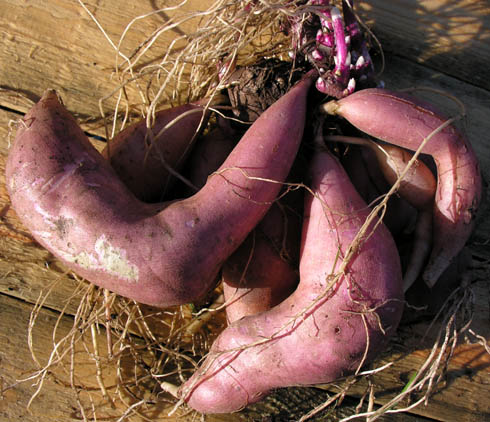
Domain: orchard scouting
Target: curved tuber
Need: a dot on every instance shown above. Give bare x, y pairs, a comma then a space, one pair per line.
403, 120
342, 312
417, 187
74, 204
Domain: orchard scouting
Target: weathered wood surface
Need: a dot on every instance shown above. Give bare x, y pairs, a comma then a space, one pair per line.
451, 36
55, 44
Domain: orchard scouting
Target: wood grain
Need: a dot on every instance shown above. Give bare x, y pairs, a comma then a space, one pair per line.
451, 36
459, 397
56, 44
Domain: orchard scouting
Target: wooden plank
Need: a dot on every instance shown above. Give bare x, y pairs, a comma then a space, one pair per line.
60, 399
450, 36
17, 365
462, 395
56, 44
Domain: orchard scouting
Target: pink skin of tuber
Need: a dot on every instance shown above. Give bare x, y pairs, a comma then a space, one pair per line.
209, 153
259, 274
362, 167
142, 161
342, 57
403, 120
74, 204
418, 188
342, 324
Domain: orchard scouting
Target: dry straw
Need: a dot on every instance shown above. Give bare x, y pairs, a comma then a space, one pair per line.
124, 360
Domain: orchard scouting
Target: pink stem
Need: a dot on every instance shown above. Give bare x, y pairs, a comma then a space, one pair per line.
342, 57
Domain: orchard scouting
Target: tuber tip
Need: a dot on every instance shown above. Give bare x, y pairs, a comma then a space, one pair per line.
331, 107
51, 94
172, 389
434, 270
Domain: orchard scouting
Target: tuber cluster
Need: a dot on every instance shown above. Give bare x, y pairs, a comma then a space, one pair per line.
312, 281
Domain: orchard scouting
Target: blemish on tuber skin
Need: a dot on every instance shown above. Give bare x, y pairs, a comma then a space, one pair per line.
107, 258
104, 257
